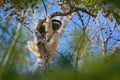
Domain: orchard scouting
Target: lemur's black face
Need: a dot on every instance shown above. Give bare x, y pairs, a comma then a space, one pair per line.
56, 24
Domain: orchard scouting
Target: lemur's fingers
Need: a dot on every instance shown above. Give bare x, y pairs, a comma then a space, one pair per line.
48, 18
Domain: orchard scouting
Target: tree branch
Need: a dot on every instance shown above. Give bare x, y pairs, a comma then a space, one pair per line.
76, 9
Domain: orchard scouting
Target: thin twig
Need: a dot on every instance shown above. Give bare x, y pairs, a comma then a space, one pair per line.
44, 7
111, 31
102, 38
80, 17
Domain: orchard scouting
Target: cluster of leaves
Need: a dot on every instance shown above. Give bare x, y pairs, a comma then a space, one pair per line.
109, 8
20, 4
15, 8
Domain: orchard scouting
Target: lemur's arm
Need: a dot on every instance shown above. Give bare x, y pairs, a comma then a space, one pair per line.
48, 27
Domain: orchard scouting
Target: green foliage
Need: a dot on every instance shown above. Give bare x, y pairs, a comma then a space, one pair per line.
109, 8
21, 4
15, 9
12, 48
78, 42
93, 69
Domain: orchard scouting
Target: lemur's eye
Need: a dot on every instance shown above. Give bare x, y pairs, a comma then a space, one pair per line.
55, 26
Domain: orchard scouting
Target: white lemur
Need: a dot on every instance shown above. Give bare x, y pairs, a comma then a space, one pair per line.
48, 39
